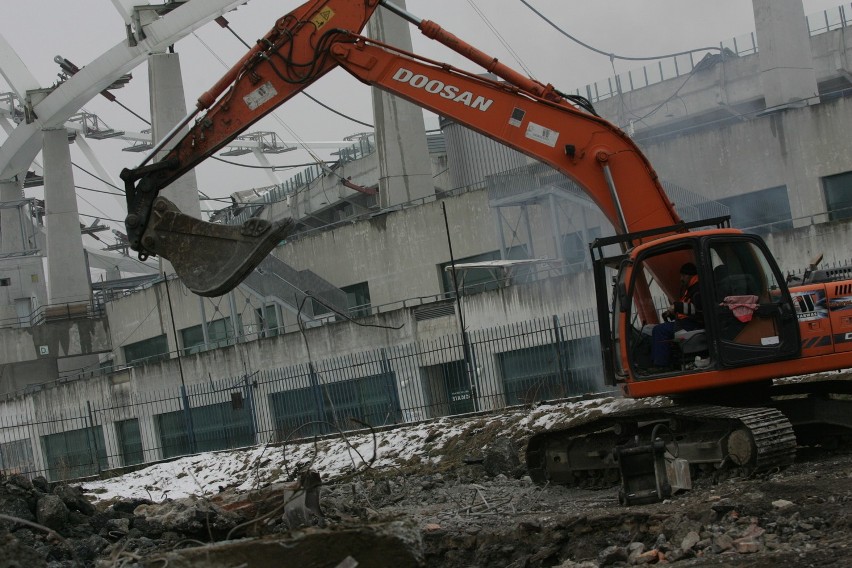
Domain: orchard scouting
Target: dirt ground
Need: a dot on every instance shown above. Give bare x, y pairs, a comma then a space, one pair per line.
455, 509
447, 501
799, 517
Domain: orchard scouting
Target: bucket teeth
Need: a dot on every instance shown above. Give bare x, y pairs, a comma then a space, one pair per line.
209, 258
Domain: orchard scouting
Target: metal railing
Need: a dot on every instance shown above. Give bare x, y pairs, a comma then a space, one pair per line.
682, 65
56, 312
830, 20
361, 148
274, 277
488, 369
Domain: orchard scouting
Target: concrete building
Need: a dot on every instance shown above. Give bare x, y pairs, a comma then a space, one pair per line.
741, 131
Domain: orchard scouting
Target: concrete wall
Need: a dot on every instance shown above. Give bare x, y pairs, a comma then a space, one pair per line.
728, 88
66, 407
794, 148
146, 391
394, 328
795, 249
150, 312
832, 53
26, 285
327, 189
33, 355
15, 377
722, 89
398, 253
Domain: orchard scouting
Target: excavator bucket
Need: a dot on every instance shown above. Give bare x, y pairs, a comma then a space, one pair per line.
210, 259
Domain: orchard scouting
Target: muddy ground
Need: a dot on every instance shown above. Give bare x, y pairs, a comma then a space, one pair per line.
463, 502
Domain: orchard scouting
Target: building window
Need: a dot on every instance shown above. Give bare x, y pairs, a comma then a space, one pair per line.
470, 280
214, 427
358, 299
129, 441
147, 351
475, 280
447, 388
17, 457
761, 211
267, 320
319, 308
219, 331
838, 196
326, 407
75, 453
5, 281
551, 371
575, 249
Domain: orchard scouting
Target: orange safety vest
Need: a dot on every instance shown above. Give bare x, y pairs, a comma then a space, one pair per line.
685, 297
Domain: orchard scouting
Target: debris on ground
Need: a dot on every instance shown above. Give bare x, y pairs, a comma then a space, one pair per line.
450, 493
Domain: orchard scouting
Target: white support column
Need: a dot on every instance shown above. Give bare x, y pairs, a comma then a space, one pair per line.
168, 108
68, 281
405, 172
151, 446
113, 448
263, 416
26, 273
11, 239
786, 62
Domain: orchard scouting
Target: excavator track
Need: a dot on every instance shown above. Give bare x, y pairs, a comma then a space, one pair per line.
714, 438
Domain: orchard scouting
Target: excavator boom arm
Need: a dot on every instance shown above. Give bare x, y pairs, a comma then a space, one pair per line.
212, 259
595, 154
323, 34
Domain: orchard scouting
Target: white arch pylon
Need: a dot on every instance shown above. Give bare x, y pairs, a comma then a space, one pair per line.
25, 142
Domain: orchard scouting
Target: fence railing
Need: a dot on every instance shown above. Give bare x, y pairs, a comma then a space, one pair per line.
483, 370
682, 65
831, 19
361, 147
56, 312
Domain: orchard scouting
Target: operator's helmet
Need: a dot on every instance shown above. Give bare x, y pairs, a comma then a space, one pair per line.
689, 269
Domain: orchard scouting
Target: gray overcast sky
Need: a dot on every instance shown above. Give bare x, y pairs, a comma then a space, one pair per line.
81, 30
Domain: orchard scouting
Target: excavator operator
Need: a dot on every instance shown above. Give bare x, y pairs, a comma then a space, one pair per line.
684, 314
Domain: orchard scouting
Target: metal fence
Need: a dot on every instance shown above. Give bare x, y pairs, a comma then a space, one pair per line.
682, 65
831, 19
88, 309
486, 369
362, 146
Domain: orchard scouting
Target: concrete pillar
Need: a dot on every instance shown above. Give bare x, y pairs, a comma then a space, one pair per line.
68, 280
168, 108
786, 63
113, 448
11, 239
263, 417
25, 291
10, 242
404, 169
151, 447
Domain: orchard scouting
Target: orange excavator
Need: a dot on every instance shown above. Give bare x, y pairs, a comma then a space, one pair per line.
730, 408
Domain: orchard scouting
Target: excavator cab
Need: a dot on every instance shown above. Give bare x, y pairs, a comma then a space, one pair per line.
745, 314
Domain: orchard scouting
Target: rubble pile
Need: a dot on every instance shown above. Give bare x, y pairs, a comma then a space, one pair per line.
463, 502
